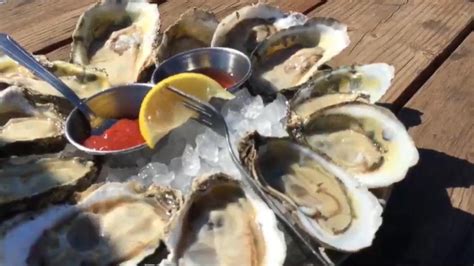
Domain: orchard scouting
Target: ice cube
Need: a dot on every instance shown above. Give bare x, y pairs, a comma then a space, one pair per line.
278, 130
253, 108
232, 118
242, 98
228, 166
264, 127
207, 169
144, 181
219, 140
242, 128
152, 169
176, 166
190, 161
164, 179
206, 147
276, 110
182, 182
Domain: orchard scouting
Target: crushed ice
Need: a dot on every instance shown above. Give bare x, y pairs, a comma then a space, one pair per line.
193, 150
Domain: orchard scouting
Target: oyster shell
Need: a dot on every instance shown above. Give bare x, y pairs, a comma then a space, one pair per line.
32, 182
194, 29
367, 140
245, 28
366, 83
292, 56
84, 81
19, 114
319, 197
112, 224
118, 36
223, 224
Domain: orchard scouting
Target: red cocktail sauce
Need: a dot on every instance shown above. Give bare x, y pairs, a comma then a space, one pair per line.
223, 78
125, 133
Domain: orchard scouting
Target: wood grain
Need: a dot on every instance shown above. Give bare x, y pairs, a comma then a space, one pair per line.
41, 23
409, 34
430, 215
171, 10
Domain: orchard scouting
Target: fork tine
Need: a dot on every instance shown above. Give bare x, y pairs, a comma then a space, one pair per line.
195, 108
177, 91
191, 101
202, 121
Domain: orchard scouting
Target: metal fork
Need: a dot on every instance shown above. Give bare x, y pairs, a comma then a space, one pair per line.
210, 117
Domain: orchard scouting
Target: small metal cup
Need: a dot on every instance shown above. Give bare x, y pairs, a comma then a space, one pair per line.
232, 61
116, 102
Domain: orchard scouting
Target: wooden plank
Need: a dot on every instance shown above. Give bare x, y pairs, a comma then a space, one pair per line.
41, 23
410, 34
430, 216
171, 10
62, 53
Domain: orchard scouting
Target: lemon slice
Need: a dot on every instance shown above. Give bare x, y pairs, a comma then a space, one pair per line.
162, 111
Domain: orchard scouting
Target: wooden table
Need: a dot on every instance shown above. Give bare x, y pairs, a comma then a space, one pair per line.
429, 217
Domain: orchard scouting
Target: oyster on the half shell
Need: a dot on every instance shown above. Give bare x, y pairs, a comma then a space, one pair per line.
118, 36
245, 28
31, 182
85, 81
319, 197
221, 223
365, 139
111, 224
26, 126
366, 83
194, 29
292, 56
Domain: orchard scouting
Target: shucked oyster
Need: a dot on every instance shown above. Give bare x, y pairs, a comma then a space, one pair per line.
223, 224
367, 140
245, 28
366, 83
117, 36
291, 57
84, 81
194, 29
112, 224
27, 127
319, 197
32, 182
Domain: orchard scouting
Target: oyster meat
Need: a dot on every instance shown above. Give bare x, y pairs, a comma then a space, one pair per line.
367, 83
223, 224
112, 224
84, 81
32, 182
367, 140
27, 127
245, 28
194, 29
320, 198
118, 36
292, 56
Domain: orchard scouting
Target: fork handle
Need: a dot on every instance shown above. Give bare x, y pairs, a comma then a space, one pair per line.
14, 50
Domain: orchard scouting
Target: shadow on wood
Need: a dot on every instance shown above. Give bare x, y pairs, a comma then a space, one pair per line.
421, 227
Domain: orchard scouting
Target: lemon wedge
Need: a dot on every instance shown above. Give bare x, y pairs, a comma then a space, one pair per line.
162, 111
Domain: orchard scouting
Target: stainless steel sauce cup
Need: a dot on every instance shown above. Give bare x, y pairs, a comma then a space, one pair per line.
227, 60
